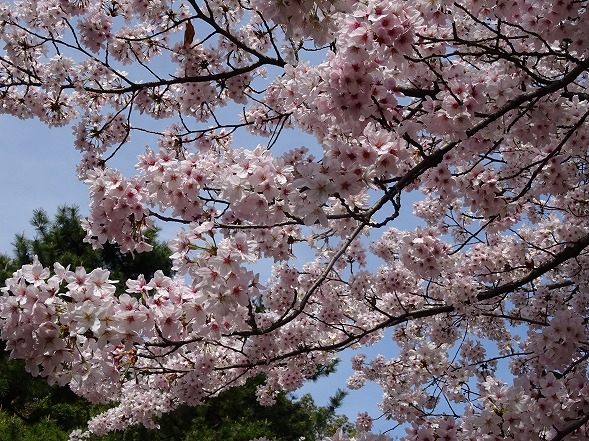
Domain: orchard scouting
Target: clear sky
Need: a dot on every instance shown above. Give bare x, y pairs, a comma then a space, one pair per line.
37, 169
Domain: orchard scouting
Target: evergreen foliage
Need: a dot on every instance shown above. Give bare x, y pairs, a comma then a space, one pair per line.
62, 240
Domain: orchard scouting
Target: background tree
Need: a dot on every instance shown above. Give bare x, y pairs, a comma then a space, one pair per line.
31, 409
236, 415
62, 240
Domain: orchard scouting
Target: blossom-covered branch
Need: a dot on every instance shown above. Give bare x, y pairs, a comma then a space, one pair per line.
469, 117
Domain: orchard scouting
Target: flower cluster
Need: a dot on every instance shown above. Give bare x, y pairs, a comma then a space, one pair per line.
442, 194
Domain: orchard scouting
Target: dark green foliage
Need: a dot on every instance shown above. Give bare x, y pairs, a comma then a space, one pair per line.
7, 267
62, 240
32, 410
14, 429
235, 415
30, 406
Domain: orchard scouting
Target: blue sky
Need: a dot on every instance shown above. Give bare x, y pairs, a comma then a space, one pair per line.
37, 169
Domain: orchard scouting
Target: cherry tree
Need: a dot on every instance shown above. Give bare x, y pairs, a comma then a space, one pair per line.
479, 107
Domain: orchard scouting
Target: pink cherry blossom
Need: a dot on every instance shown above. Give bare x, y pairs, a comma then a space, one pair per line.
412, 167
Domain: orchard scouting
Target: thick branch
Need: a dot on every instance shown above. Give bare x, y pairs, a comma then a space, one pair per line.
562, 434
182, 80
569, 252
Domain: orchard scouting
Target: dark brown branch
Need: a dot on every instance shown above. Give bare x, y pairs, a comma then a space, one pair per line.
562, 434
569, 252
134, 87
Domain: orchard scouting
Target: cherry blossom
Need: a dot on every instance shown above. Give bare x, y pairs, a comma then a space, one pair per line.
341, 174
